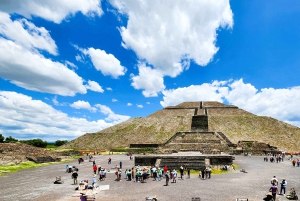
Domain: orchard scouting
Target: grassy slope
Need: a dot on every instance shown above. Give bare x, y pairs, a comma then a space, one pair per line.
156, 128
160, 126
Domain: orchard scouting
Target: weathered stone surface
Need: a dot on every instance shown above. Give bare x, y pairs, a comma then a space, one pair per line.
15, 153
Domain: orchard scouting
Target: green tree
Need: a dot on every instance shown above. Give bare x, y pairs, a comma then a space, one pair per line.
1, 138
35, 142
60, 142
10, 139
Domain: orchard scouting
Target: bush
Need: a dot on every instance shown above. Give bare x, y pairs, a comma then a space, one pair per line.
10, 139
35, 142
60, 142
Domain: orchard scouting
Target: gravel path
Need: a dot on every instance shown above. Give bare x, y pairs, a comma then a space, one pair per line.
37, 184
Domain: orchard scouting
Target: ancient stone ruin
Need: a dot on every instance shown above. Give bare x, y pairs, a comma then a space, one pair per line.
202, 138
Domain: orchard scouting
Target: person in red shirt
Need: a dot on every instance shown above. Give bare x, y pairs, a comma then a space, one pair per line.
95, 168
165, 169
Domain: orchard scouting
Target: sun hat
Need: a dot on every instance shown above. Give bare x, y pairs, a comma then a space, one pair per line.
269, 193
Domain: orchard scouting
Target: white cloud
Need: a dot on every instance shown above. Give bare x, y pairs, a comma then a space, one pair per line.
52, 10
83, 105
34, 72
114, 100
139, 106
148, 103
108, 64
27, 34
22, 116
129, 104
55, 101
111, 116
108, 89
150, 80
78, 58
168, 34
94, 86
70, 64
282, 104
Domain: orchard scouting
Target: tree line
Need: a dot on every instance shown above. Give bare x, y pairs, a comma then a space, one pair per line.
34, 142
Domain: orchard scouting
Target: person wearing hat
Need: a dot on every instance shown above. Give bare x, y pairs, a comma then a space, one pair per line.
268, 197
74, 176
83, 196
283, 184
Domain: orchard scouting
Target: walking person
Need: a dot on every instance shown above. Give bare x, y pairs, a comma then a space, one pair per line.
95, 169
274, 190
188, 172
167, 175
120, 164
74, 177
283, 184
181, 172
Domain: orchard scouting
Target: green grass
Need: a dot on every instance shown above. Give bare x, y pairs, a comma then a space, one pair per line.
25, 165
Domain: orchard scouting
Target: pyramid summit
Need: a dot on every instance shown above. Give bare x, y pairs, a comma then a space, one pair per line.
196, 126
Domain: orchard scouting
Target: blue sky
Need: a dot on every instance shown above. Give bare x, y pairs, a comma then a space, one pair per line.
72, 67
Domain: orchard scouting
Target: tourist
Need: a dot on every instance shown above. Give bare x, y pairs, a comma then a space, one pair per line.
174, 175
274, 190
209, 171
283, 184
95, 169
181, 172
109, 160
274, 180
167, 175
132, 173
74, 177
117, 174
67, 168
269, 197
94, 180
165, 169
129, 175
99, 169
159, 174
188, 172
120, 174
154, 173
120, 164
83, 196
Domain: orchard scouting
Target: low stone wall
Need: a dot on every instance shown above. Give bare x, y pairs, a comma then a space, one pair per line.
196, 162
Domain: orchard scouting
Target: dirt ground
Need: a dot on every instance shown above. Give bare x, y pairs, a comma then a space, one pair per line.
37, 184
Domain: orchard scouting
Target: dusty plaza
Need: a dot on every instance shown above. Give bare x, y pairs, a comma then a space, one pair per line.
37, 184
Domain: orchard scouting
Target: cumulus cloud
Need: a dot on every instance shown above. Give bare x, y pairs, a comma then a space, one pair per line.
111, 116
94, 86
20, 116
27, 34
139, 105
129, 104
108, 89
168, 34
52, 10
149, 79
33, 71
108, 64
281, 104
114, 100
83, 105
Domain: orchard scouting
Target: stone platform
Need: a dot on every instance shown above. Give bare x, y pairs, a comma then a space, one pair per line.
191, 160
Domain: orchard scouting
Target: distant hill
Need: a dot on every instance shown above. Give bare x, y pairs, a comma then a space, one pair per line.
159, 127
